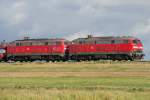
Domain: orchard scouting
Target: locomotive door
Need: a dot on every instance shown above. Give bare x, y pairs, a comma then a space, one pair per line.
115, 45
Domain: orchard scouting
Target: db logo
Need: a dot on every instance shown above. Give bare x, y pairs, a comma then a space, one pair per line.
28, 49
56, 49
92, 47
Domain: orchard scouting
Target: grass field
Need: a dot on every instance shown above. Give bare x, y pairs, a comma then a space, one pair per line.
103, 80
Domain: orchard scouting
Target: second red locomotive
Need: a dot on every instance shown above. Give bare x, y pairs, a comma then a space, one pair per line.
113, 48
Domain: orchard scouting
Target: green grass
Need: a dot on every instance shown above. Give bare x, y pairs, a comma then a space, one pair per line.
77, 83
74, 67
75, 86
42, 94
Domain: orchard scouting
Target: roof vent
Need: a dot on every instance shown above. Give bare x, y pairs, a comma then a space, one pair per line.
89, 36
26, 38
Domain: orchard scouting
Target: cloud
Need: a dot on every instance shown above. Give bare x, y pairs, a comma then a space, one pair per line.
13, 14
82, 34
72, 19
142, 30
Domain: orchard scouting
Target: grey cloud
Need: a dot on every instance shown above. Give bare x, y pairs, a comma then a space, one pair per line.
67, 18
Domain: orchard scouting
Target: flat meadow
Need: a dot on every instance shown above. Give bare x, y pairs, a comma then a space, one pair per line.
100, 80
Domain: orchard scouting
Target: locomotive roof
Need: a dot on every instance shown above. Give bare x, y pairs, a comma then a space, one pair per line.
105, 37
42, 39
2, 46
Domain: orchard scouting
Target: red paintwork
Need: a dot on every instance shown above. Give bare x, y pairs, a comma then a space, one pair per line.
136, 47
30, 50
72, 49
100, 48
105, 48
2, 56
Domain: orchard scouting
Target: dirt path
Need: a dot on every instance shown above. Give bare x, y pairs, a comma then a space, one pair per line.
75, 74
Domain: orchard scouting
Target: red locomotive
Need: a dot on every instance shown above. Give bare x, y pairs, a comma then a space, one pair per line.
95, 48
33, 49
90, 48
3, 47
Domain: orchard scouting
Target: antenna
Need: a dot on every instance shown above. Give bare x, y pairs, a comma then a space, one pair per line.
89, 36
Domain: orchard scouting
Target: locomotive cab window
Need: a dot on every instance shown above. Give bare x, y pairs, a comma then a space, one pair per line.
2, 51
136, 41
139, 41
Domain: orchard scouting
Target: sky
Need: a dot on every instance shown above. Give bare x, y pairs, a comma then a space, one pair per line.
71, 19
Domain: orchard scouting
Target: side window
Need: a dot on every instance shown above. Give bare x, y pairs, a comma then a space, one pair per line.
30, 43
103, 42
112, 41
89, 42
26, 44
46, 43
50, 43
80, 42
126, 41
67, 42
58, 43
118, 41
36, 43
95, 42
17, 44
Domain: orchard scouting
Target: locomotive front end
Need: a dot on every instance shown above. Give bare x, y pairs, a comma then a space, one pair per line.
2, 54
137, 49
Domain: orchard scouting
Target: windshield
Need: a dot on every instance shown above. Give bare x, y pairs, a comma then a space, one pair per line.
136, 41
2, 51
